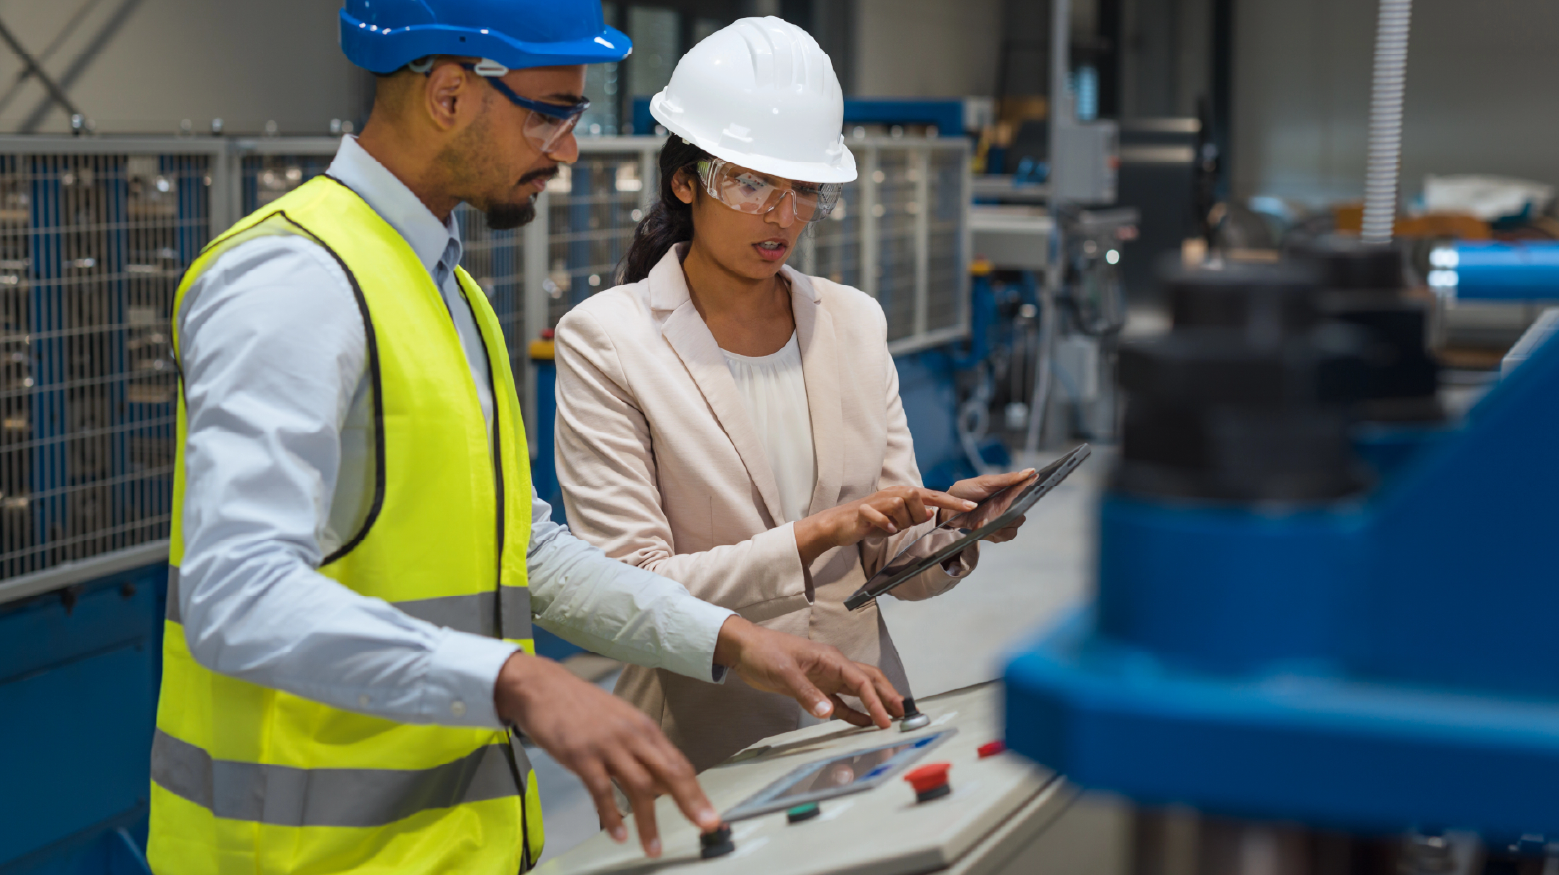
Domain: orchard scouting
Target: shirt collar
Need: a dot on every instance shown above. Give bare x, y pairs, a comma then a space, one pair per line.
437, 244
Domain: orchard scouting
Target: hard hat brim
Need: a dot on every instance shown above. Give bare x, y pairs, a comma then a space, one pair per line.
801, 171
384, 51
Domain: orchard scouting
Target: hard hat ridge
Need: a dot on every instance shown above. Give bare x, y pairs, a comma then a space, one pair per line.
384, 35
760, 93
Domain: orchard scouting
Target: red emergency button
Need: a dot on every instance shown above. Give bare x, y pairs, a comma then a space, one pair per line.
992, 748
930, 781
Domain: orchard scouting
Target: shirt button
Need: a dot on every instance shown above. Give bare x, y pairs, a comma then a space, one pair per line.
457, 708
363, 700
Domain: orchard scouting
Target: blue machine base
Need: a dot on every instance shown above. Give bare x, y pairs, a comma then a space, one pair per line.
1375, 663
1320, 748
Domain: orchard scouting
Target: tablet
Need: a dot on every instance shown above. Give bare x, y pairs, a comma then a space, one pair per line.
838, 776
993, 514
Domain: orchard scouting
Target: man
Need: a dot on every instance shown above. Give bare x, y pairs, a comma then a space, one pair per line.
358, 553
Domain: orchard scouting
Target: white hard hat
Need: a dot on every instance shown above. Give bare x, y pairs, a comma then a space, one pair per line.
760, 93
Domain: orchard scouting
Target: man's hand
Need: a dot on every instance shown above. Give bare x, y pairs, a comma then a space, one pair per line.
980, 488
814, 674
599, 737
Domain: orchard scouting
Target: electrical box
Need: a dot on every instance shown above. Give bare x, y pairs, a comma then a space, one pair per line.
1087, 159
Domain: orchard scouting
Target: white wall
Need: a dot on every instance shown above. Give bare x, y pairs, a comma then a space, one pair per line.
143, 65
1482, 93
926, 48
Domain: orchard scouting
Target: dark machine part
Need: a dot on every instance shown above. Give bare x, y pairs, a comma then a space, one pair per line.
1182, 840
1365, 286
1159, 176
1247, 398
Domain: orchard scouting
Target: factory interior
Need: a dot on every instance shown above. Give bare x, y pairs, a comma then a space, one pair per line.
1230, 316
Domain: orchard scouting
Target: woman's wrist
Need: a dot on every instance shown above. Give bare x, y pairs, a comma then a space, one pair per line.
814, 536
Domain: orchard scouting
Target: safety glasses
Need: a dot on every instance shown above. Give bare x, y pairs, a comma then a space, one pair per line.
548, 123
757, 193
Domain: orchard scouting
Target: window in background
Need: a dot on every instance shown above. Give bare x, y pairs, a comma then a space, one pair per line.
601, 86
655, 51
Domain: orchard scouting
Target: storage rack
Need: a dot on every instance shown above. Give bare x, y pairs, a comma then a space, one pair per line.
96, 232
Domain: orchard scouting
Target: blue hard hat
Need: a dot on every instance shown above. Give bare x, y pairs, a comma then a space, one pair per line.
384, 35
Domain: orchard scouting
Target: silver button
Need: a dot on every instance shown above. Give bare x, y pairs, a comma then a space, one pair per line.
457, 708
363, 700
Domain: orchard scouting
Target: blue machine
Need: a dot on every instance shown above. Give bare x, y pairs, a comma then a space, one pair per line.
81, 668
1489, 271
1373, 663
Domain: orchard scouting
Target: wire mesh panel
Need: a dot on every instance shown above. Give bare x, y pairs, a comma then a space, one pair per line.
836, 240
594, 206
91, 250
947, 223
895, 212
95, 234
267, 177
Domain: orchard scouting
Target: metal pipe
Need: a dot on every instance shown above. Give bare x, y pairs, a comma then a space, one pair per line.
1385, 144
1060, 113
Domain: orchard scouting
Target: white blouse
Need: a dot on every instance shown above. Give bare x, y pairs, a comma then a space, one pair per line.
775, 395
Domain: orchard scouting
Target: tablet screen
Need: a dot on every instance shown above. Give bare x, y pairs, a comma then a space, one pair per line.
838, 775
993, 514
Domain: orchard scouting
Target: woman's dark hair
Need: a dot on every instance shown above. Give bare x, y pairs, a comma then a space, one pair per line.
670, 221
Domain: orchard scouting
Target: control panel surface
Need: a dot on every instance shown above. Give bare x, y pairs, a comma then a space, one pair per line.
881, 830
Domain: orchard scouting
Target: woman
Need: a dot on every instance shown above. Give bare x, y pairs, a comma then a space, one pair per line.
729, 422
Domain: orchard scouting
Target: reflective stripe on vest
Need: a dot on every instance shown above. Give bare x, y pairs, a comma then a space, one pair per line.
254, 780
286, 796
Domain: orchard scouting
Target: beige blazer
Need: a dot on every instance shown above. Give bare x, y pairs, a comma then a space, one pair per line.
662, 468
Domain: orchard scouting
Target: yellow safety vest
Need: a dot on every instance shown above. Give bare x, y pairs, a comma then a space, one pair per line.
255, 780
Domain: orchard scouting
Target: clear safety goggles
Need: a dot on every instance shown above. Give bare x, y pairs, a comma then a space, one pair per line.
757, 193
545, 126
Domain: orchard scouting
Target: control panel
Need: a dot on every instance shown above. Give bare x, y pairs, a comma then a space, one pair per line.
942, 794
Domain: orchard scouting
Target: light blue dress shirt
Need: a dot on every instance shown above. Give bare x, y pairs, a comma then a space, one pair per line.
279, 473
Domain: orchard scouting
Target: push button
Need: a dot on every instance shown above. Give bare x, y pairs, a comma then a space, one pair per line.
913, 719
930, 781
803, 812
992, 748
717, 843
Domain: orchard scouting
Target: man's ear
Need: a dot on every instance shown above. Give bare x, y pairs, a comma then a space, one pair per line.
447, 87
683, 187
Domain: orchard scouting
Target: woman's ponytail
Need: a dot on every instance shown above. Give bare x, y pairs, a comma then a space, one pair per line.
670, 221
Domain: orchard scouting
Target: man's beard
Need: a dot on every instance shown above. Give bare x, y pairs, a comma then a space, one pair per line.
504, 217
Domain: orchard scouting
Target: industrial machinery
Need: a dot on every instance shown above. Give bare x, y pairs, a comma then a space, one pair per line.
1280, 636
1319, 641
943, 797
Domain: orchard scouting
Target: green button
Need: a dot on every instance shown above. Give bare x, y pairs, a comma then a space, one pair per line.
803, 812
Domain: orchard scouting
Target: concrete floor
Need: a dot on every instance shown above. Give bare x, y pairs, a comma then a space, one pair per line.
949, 642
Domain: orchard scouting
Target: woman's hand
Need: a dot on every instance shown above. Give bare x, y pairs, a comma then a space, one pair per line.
878, 515
980, 488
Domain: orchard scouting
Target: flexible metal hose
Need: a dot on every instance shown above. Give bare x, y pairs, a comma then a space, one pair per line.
1385, 145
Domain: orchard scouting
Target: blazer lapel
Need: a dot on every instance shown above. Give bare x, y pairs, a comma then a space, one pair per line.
685, 330
820, 370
